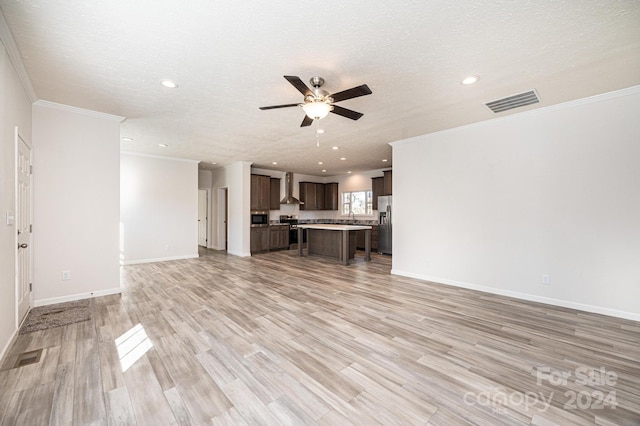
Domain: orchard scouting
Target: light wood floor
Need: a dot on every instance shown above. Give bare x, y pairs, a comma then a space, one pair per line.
276, 339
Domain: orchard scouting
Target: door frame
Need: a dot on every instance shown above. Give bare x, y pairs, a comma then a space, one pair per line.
207, 234
222, 219
18, 138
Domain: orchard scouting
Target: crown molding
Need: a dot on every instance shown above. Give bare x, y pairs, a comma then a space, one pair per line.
14, 56
160, 157
76, 110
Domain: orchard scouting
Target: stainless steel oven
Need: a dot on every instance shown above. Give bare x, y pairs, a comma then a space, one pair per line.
293, 229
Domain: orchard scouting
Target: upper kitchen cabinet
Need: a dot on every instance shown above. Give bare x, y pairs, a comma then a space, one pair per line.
274, 194
331, 196
318, 196
377, 189
308, 196
381, 186
260, 192
388, 187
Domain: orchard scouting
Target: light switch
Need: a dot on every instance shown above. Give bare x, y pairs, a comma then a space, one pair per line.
11, 219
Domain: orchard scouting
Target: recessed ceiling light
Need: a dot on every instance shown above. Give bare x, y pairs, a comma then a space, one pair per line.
343, 158
320, 162
349, 171
335, 147
169, 83
274, 162
320, 131
324, 171
127, 139
385, 160
164, 145
470, 80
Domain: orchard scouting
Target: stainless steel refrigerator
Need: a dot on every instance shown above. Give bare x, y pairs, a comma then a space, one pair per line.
384, 224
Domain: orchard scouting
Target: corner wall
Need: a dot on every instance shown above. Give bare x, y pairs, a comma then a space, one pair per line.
76, 166
495, 205
236, 180
15, 110
159, 208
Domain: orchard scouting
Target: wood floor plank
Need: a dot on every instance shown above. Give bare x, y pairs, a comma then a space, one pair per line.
119, 408
88, 397
147, 397
62, 405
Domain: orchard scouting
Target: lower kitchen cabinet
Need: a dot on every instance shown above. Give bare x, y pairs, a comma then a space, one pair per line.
259, 239
278, 237
374, 239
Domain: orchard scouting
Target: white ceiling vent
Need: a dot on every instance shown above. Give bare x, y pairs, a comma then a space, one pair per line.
514, 101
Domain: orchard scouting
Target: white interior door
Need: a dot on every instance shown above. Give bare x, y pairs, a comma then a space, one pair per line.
23, 225
202, 217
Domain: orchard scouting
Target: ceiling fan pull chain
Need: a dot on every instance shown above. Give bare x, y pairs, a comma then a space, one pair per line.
317, 132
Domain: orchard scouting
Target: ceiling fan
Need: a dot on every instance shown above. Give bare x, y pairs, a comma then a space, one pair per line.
318, 102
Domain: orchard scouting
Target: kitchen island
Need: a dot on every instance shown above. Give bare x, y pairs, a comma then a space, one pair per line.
334, 241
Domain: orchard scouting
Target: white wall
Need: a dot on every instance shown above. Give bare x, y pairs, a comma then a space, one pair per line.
15, 110
236, 180
556, 191
205, 179
158, 208
76, 203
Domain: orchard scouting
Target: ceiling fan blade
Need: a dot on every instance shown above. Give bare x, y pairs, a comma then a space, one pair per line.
307, 121
279, 106
354, 92
354, 115
299, 84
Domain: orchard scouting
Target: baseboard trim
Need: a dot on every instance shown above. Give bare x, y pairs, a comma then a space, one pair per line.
9, 344
74, 297
239, 253
160, 259
524, 296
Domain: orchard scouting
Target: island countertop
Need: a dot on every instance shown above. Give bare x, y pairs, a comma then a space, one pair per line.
333, 226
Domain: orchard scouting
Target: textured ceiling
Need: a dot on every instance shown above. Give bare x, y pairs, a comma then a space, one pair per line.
229, 58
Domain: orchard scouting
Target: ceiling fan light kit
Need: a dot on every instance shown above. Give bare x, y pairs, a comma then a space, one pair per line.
317, 109
318, 103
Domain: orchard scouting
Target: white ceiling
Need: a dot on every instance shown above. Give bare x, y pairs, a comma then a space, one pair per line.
229, 58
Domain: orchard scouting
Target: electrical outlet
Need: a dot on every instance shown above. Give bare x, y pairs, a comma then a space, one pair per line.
545, 279
66, 275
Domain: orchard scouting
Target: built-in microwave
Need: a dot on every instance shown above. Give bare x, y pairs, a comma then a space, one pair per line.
259, 218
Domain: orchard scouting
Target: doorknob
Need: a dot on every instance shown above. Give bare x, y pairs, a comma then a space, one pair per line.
23, 245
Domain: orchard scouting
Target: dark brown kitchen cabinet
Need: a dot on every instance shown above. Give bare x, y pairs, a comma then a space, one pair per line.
259, 239
308, 196
381, 186
260, 188
377, 189
331, 196
278, 237
274, 194
318, 196
374, 239
388, 187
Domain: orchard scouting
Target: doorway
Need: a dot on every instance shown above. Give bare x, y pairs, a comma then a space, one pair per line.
23, 223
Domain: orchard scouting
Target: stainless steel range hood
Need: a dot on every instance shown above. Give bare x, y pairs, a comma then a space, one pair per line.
288, 187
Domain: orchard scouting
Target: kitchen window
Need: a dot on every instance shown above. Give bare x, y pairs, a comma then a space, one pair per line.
357, 202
